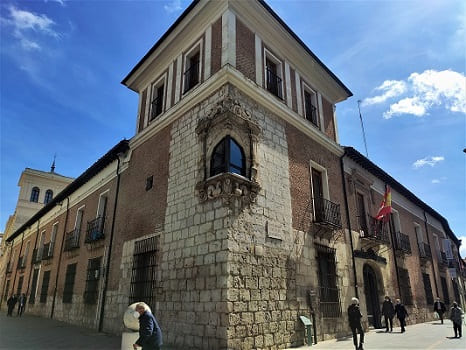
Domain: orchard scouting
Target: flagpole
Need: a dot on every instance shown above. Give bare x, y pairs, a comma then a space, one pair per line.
362, 127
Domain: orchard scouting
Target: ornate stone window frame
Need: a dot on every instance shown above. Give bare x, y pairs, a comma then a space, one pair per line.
228, 118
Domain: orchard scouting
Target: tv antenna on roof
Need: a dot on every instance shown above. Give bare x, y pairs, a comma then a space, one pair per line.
362, 127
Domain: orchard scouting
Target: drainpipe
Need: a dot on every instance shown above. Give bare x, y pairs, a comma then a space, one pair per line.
59, 256
109, 252
349, 225
32, 262
428, 242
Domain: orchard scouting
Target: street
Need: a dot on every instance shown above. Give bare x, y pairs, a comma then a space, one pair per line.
425, 336
30, 332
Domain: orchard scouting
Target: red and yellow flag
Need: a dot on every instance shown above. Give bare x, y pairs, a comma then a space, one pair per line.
386, 206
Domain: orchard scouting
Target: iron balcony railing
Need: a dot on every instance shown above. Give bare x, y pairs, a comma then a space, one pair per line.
95, 230
191, 76
443, 259
330, 305
453, 264
424, 251
311, 113
326, 212
72, 240
21, 263
156, 107
402, 242
47, 251
36, 255
274, 83
377, 231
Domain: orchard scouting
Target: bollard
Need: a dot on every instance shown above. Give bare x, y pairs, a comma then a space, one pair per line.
308, 324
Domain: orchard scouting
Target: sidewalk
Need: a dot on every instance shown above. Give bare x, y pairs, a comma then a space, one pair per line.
422, 336
31, 332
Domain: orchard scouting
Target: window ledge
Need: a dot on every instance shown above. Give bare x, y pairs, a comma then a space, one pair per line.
228, 186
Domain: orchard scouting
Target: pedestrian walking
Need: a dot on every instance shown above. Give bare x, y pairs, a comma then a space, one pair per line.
388, 312
21, 304
401, 314
150, 334
456, 316
11, 302
439, 308
354, 320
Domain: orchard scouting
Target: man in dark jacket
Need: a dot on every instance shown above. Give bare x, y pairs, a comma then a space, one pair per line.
401, 313
439, 308
11, 302
150, 334
21, 304
456, 316
354, 319
388, 311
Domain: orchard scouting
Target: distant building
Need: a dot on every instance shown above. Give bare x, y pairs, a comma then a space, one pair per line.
233, 210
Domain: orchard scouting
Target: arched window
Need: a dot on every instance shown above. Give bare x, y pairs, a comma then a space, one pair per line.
35, 194
228, 156
48, 196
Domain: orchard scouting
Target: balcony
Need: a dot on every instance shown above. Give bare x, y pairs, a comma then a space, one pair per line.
274, 83
36, 256
47, 251
402, 243
21, 263
95, 230
377, 231
453, 264
191, 77
424, 251
72, 240
442, 261
327, 213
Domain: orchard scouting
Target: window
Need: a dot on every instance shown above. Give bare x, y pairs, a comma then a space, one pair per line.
91, 290
329, 295
35, 195
228, 156
405, 286
26, 252
149, 182
362, 219
456, 290
157, 102
20, 286
35, 277
69, 283
7, 289
192, 70
446, 296
447, 248
48, 196
273, 81
45, 287
96, 227
143, 277
428, 289
310, 106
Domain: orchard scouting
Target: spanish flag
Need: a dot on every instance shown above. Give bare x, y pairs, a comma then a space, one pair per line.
386, 206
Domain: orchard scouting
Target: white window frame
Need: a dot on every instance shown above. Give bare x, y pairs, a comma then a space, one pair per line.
103, 194
80, 210
323, 170
307, 88
396, 221
269, 55
447, 248
153, 89
197, 47
437, 246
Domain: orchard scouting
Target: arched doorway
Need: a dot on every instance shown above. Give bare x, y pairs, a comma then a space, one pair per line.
372, 297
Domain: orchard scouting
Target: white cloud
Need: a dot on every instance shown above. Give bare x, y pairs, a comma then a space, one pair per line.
463, 246
432, 161
173, 6
435, 181
390, 88
27, 25
422, 91
61, 2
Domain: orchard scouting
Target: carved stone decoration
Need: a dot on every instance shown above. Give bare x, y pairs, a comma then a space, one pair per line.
228, 187
228, 117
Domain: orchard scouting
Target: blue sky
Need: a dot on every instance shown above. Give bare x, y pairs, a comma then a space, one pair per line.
62, 63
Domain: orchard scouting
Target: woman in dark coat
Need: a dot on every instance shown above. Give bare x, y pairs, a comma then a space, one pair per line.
388, 311
354, 320
150, 334
11, 302
401, 313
